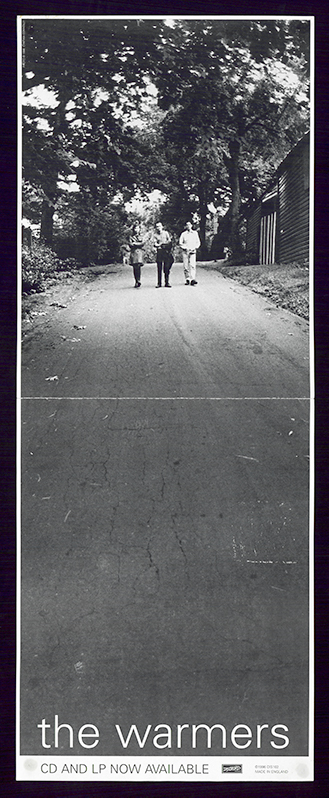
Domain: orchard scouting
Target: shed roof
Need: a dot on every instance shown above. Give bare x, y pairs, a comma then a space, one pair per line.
305, 139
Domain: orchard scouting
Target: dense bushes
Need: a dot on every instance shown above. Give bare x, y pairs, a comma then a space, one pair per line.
41, 263
87, 231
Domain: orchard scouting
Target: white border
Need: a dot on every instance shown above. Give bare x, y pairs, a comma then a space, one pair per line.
202, 768
312, 398
18, 378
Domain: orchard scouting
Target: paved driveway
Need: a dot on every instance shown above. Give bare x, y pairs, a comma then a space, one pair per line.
165, 515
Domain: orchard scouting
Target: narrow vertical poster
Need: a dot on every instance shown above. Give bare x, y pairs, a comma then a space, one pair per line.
165, 402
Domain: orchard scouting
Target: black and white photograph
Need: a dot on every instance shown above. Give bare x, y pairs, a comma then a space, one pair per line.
165, 399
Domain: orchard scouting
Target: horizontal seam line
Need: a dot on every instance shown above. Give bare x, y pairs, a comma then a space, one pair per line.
175, 398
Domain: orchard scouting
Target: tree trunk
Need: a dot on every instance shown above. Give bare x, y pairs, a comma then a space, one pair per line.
232, 164
47, 217
50, 188
203, 252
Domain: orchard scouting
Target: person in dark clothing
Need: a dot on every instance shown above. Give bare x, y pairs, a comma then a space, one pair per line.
216, 249
164, 256
136, 243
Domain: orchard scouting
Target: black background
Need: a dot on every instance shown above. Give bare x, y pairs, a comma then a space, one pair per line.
320, 787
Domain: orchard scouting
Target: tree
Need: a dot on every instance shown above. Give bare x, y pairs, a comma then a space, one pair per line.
192, 150
230, 102
86, 231
236, 94
87, 67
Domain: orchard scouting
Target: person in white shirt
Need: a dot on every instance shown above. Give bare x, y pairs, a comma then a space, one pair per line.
189, 242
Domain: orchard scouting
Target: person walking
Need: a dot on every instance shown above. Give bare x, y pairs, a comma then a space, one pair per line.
164, 258
189, 242
136, 244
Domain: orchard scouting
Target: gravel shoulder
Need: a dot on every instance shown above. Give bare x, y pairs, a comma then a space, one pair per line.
286, 285
60, 291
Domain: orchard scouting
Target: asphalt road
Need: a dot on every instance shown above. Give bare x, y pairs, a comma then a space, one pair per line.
165, 514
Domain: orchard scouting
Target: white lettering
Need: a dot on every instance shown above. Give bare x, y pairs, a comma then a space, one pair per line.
133, 730
43, 726
166, 734
179, 733
235, 734
82, 734
209, 733
284, 737
259, 733
62, 726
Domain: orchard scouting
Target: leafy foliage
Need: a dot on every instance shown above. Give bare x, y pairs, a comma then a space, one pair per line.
236, 95
203, 110
82, 63
40, 263
89, 232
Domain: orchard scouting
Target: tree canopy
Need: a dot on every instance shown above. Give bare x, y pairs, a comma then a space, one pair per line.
203, 110
237, 100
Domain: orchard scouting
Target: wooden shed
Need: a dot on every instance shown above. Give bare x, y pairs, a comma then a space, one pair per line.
278, 225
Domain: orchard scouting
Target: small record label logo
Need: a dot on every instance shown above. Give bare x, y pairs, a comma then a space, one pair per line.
231, 768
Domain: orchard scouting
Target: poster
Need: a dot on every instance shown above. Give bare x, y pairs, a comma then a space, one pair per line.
165, 437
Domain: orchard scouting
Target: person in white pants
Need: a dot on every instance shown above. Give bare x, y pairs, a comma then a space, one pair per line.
189, 242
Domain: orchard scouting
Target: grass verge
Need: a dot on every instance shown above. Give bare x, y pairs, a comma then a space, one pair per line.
284, 284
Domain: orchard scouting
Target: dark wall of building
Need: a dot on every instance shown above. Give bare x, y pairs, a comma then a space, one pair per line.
253, 235
293, 183
292, 234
